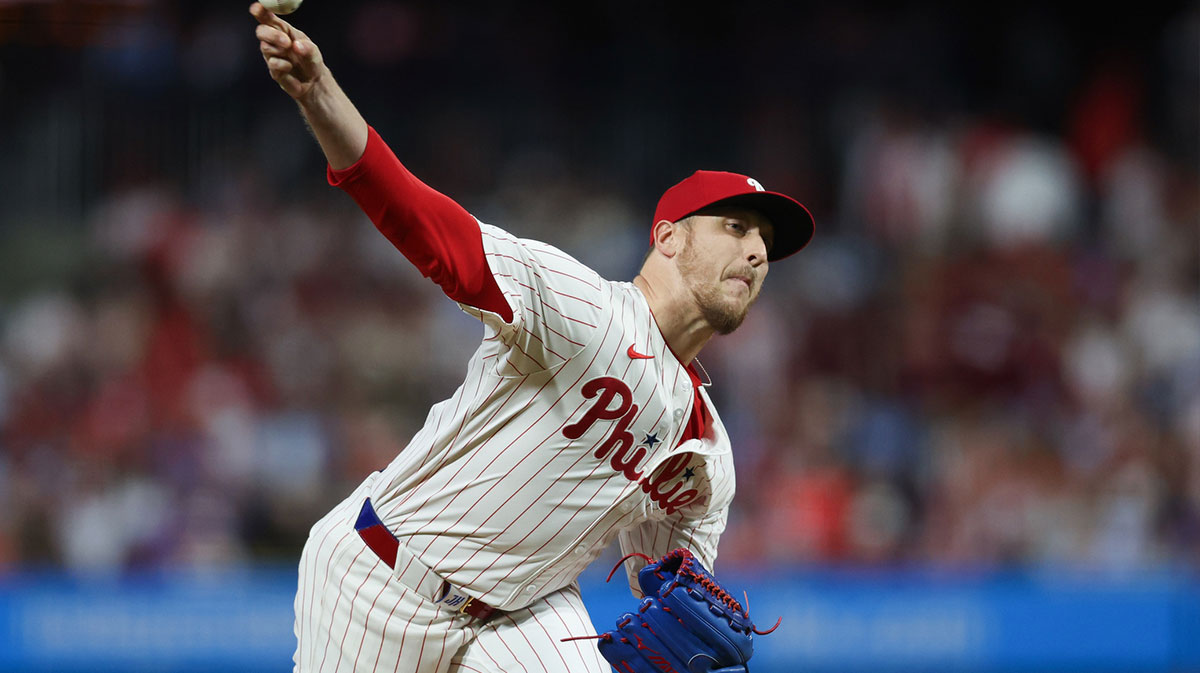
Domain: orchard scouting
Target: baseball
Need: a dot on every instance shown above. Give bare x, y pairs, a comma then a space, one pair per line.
281, 6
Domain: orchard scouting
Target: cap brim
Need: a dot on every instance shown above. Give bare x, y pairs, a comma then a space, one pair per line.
793, 224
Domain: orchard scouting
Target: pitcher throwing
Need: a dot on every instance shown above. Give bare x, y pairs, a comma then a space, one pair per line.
582, 418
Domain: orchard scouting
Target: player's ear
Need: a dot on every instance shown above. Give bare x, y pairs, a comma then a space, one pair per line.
668, 237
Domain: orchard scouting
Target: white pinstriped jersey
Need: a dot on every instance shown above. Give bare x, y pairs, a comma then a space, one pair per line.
564, 435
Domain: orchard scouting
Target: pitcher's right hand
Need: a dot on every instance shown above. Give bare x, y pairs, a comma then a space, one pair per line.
293, 59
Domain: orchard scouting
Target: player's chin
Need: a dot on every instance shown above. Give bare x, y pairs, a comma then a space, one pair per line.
727, 317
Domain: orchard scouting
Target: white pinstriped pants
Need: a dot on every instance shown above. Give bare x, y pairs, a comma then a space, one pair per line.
353, 614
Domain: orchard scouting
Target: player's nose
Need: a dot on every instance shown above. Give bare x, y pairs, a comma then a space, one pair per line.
755, 248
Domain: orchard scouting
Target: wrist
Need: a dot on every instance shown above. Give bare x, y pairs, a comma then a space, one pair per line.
334, 121
322, 94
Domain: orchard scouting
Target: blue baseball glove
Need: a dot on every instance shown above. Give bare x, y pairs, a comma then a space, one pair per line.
686, 623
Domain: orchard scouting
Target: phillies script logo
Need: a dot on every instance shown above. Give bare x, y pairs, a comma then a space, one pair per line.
614, 401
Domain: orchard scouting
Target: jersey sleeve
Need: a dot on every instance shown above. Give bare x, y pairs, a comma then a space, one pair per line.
656, 538
697, 528
555, 303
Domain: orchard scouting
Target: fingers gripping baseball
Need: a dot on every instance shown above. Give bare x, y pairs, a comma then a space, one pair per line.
292, 59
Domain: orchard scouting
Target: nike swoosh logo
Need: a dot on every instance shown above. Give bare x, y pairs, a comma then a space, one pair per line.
636, 355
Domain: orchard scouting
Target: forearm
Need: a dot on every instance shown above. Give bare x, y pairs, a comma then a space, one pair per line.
296, 64
335, 122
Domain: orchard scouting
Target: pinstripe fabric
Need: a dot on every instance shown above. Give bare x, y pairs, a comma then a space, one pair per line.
354, 614
493, 494
563, 437
530, 639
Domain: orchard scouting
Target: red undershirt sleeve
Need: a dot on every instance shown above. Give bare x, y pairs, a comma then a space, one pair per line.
436, 234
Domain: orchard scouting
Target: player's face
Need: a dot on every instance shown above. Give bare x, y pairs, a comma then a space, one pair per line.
723, 263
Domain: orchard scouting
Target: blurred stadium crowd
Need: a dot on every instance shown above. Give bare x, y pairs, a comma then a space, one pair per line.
989, 355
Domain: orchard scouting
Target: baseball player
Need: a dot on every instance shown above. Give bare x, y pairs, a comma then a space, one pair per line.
582, 418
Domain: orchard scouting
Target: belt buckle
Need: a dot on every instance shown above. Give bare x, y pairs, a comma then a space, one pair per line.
466, 604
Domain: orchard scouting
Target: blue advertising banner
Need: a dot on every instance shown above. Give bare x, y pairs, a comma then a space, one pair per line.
227, 621
832, 621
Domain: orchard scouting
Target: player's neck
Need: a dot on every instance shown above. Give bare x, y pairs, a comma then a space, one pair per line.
679, 320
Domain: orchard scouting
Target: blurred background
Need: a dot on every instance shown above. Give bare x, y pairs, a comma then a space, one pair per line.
966, 418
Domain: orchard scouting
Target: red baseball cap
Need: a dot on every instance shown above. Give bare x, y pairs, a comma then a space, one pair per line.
793, 224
